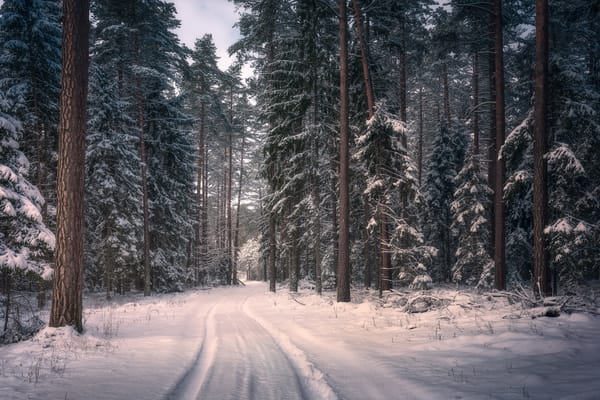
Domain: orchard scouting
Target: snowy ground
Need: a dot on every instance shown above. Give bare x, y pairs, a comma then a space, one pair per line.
246, 343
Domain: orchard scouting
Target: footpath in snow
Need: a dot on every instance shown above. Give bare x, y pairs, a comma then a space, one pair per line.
247, 343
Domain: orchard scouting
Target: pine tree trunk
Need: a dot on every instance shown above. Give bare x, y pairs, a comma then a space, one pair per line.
403, 85
236, 238
420, 143
316, 193
492, 128
200, 193
499, 239
6, 278
446, 89
343, 267
476, 103
68, 269
364, 58
272, 253
144, 172
541, 271
386, 264
228, 209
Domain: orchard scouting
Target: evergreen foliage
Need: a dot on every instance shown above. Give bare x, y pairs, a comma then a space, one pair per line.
470, 226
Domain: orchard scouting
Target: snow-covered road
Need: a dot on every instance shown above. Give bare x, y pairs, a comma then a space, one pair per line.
246, 343
239, 359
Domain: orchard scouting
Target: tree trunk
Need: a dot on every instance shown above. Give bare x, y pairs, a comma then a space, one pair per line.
403, 86
316, 193
492, 128
229, 208
499, 239
420, 143
200, 193
7, 288
386, 263
343, 267
476, 103
364, 57
68, 269
144, 172
446, 89
541, 271
272, 251
236, 238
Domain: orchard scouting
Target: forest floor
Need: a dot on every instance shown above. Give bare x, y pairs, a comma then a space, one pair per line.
246, 343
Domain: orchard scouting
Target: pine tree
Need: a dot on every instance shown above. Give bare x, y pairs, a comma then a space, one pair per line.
438, 193
113, 189
470, 226
30, 64
25, 241
391, 189
136, 45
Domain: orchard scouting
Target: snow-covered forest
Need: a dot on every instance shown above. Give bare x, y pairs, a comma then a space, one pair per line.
377, 148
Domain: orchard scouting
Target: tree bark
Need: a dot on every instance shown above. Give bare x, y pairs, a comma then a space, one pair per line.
499, 239
476, 103
343, 267
364, 58
144, 172
236, 237
7, 286
541, 271
272, 253
68, 270
491, 64
420, 143
229, 211
446, 90
200, 194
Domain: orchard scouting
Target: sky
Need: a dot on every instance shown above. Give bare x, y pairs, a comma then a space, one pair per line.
199, 17
217, 17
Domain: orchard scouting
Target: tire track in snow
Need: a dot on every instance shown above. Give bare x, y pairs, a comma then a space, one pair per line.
190, 384
314, 380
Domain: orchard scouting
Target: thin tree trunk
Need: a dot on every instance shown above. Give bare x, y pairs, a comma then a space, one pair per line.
403, 85
68, 269
386, 265
229, 211
201, 188
236, 238
476, 103
364, 58
272, 253
499, 240
7, 288
343, 267
144, 172
541, 271
316, 192
446, 89
265, 276
420, 144
229, 208
205, 202
492, 128
367, 247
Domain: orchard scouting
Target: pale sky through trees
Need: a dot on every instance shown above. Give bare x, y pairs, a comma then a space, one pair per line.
217, 17
199, 17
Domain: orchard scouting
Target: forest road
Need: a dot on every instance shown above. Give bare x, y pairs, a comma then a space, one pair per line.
238, 359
